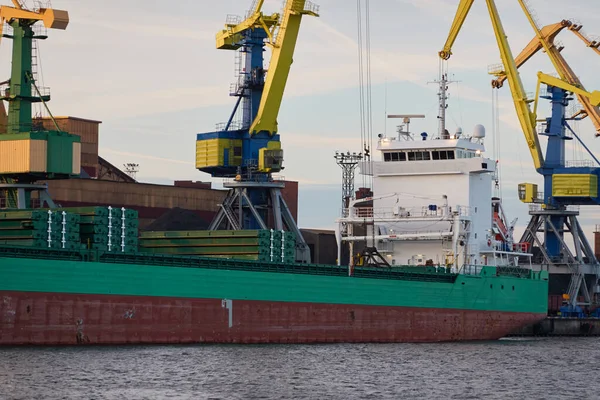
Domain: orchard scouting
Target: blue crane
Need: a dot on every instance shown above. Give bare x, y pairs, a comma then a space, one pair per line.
246, 150
564, 185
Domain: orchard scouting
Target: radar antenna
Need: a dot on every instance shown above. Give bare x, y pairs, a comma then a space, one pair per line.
405, 134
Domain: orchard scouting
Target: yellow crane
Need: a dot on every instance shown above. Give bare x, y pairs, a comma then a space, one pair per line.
280, 64
593, 44
55, 19
545, 40
563, 185
230, 38
593, 98
527, 119
282, 32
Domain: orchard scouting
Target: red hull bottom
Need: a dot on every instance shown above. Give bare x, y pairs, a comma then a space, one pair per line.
64, 319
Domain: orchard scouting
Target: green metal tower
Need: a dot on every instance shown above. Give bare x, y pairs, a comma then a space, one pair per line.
29, 153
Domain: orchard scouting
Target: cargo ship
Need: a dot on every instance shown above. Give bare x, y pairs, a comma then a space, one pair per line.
432, 270
438, 262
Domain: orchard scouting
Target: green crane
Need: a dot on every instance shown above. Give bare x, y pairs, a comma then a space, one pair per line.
29, 154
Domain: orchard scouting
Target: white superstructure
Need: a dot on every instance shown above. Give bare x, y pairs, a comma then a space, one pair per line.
432, 203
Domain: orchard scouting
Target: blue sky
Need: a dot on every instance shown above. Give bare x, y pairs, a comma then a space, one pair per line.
151, 73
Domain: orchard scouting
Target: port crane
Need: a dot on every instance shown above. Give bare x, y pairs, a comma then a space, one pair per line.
564, 186
42, 154
247, 151
544, 39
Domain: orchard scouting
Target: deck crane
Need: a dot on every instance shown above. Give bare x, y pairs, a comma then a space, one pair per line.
545, 40
248, 151
42, 154
564, 185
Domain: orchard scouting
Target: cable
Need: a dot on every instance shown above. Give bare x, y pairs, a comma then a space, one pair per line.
361, 79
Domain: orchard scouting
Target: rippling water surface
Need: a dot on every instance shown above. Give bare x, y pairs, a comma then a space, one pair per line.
565, 368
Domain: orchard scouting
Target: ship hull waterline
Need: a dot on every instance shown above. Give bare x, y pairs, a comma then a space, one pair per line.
37, 318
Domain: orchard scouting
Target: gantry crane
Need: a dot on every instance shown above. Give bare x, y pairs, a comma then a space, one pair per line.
545, 40
564, 185
41, 154
248, 151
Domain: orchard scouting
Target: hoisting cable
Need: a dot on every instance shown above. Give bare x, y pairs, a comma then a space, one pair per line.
361, 95
496, 143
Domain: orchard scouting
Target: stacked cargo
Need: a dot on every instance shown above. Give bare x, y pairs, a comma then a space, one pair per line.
40, 228
108, 229
259, 245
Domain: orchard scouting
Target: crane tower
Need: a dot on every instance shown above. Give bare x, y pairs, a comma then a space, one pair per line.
246, 150
554, 212
42, 154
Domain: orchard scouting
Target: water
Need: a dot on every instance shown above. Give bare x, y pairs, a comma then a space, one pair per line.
508, 369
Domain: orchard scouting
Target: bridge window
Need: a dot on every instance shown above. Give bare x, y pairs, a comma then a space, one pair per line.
394, 156
419, 156
443, 154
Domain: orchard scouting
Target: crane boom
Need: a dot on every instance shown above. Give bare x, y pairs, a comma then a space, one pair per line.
526, 118
459, 20
230, 37
593, 44
547, 45
545, 39
279, 67
55, 19
594, 97
548, 33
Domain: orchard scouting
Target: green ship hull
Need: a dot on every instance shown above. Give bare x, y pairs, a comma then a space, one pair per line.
58, 297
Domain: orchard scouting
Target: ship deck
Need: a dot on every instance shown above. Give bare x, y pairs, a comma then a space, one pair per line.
413, 273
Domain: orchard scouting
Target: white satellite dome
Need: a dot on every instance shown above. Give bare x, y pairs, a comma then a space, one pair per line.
458, 132
479, 131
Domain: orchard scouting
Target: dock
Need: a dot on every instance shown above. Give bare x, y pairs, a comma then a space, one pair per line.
561, 326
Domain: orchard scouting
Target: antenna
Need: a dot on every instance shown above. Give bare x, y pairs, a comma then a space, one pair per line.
405, 134
443, 96
132, 169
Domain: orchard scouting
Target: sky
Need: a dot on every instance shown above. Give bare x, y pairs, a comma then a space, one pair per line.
150, 72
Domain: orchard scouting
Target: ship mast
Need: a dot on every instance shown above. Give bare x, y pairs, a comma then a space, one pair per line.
443, 105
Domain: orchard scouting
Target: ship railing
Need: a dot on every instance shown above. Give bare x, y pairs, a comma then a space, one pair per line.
402, 213
470, 269
463, 211
393, 234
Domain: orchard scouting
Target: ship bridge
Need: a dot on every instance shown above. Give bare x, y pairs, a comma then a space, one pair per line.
441, 208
